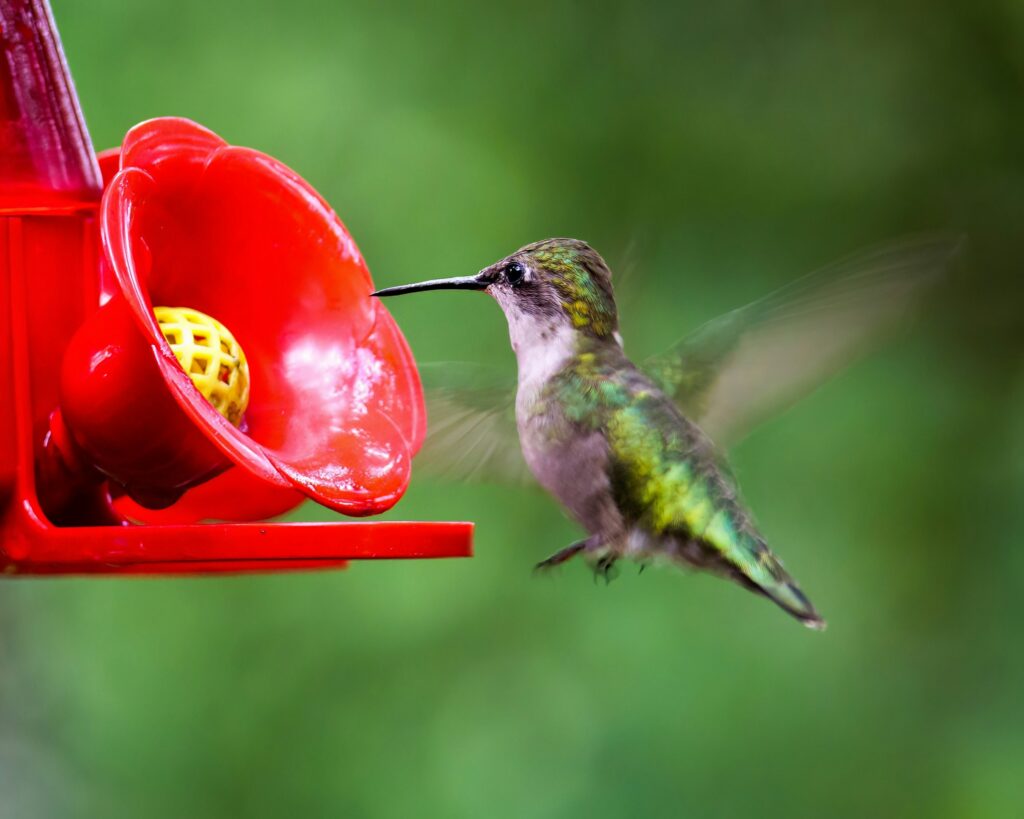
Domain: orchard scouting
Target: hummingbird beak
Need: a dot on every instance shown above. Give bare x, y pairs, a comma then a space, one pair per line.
481, 281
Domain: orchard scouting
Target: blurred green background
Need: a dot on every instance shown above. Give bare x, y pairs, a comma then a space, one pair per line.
712, 153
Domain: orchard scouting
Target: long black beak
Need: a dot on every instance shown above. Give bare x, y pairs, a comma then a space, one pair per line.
478, 282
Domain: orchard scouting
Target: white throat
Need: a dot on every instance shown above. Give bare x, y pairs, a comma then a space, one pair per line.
543, 356
542, 349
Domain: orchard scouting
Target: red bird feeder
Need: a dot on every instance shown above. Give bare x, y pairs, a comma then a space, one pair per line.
186, 252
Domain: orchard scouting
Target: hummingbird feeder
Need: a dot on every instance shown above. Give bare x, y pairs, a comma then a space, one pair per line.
186, 335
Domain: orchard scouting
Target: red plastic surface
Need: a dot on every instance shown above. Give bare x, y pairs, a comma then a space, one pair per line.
46, 159
336, 412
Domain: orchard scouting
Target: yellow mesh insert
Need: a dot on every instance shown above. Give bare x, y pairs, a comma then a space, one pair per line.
210, 355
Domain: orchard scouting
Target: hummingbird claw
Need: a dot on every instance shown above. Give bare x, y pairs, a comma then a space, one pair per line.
605, 568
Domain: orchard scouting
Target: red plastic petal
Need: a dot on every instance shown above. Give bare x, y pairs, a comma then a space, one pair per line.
404, 396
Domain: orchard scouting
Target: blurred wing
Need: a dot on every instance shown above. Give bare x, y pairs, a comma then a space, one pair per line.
471, 425
734, 371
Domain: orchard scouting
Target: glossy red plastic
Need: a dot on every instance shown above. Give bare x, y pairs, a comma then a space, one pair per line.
336, 410
101, 425
46, 159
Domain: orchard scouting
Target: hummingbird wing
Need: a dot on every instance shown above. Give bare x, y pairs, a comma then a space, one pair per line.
471, 429
734, 371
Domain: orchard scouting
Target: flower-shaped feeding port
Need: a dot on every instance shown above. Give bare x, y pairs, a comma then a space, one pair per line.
110, 451
336, 410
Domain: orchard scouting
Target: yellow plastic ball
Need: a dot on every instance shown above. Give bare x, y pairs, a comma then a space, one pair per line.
210, 355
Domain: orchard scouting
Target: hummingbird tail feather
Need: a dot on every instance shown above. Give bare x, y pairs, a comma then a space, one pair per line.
787, 596
784, 593
755, 567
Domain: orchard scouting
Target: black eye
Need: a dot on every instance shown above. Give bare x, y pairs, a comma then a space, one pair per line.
514, 272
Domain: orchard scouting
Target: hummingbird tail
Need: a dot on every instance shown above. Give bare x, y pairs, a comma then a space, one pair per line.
787, 596
766, 576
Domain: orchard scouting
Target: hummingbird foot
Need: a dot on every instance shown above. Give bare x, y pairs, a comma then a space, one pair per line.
561, 556
605, 568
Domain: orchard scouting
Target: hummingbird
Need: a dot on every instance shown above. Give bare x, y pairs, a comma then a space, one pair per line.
619, 446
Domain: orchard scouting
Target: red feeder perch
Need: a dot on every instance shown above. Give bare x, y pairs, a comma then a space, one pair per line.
110, 453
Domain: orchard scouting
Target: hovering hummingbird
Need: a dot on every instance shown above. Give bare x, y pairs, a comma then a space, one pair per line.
619, 446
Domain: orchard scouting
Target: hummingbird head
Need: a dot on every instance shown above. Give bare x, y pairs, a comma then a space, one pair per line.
545, 288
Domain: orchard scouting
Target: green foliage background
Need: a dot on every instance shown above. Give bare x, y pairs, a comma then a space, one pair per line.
711, 152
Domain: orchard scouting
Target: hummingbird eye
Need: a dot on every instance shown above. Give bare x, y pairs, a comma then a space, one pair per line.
514, 273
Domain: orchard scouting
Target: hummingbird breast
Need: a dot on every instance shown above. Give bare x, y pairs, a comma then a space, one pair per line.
567, 455
561, 434
572, 464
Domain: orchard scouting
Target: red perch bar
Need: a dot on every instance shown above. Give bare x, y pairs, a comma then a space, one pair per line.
110, 456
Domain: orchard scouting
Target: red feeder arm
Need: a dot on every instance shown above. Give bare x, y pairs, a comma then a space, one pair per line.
110, 456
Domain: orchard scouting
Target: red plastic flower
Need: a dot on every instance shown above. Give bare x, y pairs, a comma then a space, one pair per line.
336, 409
